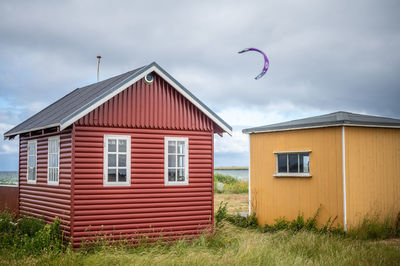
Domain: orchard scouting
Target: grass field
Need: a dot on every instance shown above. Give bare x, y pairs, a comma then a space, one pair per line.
230, 246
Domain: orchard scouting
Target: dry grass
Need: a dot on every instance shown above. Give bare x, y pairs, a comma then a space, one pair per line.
236, 202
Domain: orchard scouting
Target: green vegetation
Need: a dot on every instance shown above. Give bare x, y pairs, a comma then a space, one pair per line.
373, 228
236, 241
230, 184
29, 235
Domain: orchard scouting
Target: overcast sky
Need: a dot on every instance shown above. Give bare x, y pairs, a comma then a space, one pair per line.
324, 56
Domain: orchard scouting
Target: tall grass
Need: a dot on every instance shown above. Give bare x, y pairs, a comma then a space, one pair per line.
231, 245
371, 227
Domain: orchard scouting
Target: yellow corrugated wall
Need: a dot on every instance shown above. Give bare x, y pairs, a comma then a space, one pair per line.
373, 172
274, 197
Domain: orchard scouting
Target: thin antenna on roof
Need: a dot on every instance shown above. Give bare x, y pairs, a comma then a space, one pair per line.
98, 68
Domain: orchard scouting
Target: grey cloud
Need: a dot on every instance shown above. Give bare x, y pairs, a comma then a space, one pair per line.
336, 55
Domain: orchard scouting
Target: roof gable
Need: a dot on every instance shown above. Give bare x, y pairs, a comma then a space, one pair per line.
156, 105
333, 119
81, 101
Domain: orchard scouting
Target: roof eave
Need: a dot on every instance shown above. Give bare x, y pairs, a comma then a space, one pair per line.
255, 130
10, 134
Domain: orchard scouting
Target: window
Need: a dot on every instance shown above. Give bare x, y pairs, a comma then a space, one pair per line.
32, 161
176, 161
293, 163
117, 160
53, 160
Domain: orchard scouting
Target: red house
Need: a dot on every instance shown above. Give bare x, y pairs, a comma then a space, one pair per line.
128, 156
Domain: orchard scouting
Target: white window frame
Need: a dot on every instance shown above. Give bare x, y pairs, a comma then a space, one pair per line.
186, 162
288, 174
27, 162
51, 182
127, 183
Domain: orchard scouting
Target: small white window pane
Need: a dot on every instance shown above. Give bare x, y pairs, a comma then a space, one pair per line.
172, 175
112, 145
31, 161
171, 146
181, 175
57, 146
121, 175
181, 161
171, 161
121, 145
112, 160
112, 175
181, 147
121, 160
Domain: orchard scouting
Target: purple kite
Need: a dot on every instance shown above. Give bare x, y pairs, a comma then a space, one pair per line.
266, 61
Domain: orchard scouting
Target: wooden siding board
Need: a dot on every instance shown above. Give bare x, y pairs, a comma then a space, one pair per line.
147, 201
372, 173
274, 197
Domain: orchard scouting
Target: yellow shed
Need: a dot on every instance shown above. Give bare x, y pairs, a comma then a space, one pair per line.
349, 164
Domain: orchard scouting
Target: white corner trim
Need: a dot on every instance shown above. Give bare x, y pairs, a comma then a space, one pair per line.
249, 176
344, 180
134, 80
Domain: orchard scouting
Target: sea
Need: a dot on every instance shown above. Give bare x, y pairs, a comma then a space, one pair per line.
242, 174
9, 178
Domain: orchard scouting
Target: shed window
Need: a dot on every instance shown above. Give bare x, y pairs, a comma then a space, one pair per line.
32, 160
53, 160
117, 160
176, 161
293, 163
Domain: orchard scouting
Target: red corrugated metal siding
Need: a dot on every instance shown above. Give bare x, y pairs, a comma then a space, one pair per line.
155, 105
40, 199
9, 198
147, 206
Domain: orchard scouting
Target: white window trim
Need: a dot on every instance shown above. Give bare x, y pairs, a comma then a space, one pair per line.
186, 153
127, 183
27, 162
55, 183
288, 174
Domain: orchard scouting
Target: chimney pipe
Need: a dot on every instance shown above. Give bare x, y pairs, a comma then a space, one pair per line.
98, 68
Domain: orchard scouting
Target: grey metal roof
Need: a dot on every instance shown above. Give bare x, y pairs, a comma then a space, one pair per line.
80, 99
334, 119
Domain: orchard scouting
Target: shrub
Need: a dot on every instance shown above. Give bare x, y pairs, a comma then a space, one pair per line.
249, 221
226, 179
30, 225
6, 222
237, 188
30, 235
372, 228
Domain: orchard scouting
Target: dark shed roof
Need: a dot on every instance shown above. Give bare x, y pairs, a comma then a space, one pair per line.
333, 119
73, 105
